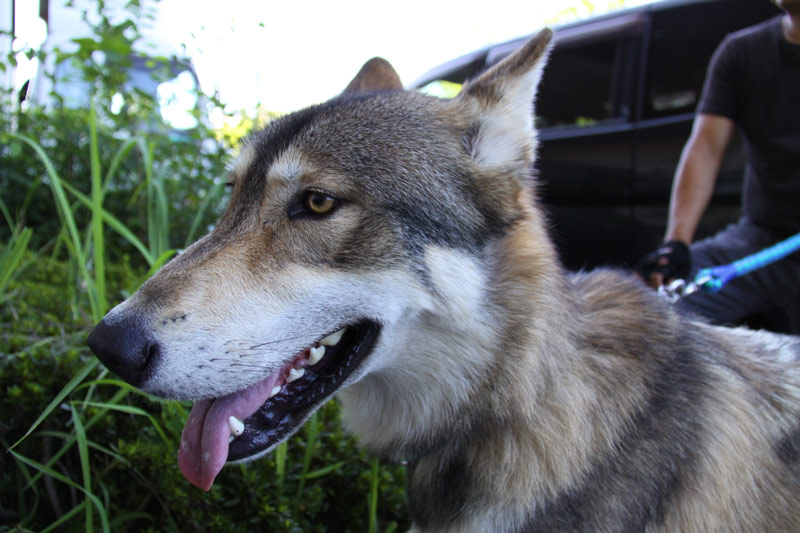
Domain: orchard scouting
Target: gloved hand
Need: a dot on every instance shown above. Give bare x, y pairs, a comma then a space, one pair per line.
672, 260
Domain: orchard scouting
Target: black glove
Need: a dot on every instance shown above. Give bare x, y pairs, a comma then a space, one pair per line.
672, 259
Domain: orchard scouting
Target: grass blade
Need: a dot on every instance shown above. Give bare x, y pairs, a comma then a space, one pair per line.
114, 224
157, 217
117, 161
68, 388
26, 512
323, 471
93, 445
59, 477
12, 255
312, 430
212, 194
67, 218
118, 396
83, 453
373, 496
161, 215
6, 214
66, 517
280, 464
130, 410
98, 246
162, 259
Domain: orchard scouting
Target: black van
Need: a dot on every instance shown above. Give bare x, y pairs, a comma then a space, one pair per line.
614, 110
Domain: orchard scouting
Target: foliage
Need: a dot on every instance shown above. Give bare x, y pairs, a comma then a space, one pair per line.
318, 481
133, 465
187, 165
237, 126
93, 203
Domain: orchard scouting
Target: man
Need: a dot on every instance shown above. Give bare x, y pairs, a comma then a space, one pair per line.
753, 82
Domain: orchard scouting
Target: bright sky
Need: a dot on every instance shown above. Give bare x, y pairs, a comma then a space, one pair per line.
291, 54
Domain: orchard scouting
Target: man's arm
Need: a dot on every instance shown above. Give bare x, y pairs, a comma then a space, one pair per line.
692, 188
696, 175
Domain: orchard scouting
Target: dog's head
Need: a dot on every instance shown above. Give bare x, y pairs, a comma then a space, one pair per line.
347, 222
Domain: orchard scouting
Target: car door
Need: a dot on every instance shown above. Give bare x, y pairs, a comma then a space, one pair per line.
584, 115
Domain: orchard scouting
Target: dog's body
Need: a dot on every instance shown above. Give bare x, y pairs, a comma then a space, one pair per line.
523, 399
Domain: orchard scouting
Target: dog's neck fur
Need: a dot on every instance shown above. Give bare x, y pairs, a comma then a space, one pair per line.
395, 422
545, 385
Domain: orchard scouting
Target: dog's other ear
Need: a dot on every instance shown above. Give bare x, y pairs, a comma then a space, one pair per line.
377, 74
504, 133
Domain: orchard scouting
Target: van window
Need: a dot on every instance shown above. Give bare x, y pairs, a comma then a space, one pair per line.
682, 42
580, 86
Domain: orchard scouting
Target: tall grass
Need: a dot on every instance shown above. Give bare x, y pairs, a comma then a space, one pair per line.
86, 250
87, 253
11, 259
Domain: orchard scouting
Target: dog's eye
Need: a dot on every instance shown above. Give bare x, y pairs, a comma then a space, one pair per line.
320, 204
313, 204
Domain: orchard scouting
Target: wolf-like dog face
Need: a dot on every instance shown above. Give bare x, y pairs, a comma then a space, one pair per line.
354, 221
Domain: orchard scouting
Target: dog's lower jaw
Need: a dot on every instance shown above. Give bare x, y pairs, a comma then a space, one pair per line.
273, 408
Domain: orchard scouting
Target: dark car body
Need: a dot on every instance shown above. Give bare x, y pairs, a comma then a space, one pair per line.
614, 109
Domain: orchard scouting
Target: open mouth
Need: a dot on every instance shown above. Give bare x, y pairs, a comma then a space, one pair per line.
248, 423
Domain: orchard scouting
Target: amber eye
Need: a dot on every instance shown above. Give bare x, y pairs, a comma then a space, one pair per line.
320, 204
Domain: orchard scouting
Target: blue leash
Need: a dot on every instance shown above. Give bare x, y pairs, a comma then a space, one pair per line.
711, 280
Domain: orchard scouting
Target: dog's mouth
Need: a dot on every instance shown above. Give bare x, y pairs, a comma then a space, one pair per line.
250, 422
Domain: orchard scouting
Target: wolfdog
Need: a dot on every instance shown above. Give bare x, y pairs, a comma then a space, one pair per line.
387, 246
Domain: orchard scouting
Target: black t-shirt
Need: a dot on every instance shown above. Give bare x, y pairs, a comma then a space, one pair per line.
754, 79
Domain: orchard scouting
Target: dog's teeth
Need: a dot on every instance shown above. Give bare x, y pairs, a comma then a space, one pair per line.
295, 373
333, 339
237, 426
275, 391
315, 354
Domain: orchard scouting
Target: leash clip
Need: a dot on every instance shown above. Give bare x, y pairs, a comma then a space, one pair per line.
678, 289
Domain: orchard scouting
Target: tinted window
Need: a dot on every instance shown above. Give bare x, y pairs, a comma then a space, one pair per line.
580, 86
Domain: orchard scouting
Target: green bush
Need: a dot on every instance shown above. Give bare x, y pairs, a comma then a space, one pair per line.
187, 169
133, 456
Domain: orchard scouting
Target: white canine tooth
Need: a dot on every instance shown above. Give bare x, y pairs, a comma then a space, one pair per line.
237, 426
275, 391
333, 339
295, 373
315, 354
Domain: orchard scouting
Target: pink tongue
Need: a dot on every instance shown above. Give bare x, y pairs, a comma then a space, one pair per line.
204, 442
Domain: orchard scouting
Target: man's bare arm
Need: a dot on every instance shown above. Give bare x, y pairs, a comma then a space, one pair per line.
697, 174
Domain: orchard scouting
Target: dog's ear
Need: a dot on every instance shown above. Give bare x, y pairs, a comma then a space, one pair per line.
377, 74
503, 95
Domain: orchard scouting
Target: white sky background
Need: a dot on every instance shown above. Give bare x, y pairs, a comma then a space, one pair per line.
306, 52
289, 54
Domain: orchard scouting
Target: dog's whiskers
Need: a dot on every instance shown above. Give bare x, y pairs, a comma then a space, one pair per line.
243, 346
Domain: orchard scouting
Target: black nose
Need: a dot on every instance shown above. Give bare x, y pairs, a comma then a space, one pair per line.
125, 348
